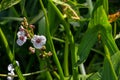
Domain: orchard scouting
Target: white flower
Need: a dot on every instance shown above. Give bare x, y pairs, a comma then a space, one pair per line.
38, 41
11, 71
21, 36
21, 40
10, 67
9, 77
21, 33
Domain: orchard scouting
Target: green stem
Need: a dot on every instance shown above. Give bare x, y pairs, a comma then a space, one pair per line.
10, 55
65, 63
27, 74
82, 69
71, 40
98, 51
46, 75
107, 53
57, 39
115, 25
81, 66
90, 6
51, 43
106, 6
55, 73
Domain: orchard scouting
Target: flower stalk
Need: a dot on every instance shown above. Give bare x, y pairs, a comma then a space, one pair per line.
51, 43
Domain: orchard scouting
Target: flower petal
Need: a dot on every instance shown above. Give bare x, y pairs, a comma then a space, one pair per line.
10, 67
38, 41
21, 40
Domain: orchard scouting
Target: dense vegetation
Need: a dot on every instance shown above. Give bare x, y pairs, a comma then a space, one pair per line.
59, 40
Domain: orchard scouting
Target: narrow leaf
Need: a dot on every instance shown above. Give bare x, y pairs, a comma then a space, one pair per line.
108, 71
86, 44
90, 36
116, 61
109, 41
7, 4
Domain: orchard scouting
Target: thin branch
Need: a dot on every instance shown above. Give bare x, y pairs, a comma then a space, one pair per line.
27, 74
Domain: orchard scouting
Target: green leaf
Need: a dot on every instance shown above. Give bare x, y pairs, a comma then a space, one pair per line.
95, 76
53, 22
116, 61
86, 44
7, 4
109, 41
108, 70
105, 5
94, 28
41, 26
98, 25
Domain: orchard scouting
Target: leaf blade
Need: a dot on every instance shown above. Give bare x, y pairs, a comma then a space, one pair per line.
5, 4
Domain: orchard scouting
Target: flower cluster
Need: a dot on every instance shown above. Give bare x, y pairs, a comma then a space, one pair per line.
21, 36
26, 32
11, 71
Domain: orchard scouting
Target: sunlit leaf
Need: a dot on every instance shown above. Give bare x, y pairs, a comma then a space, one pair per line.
7, 4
